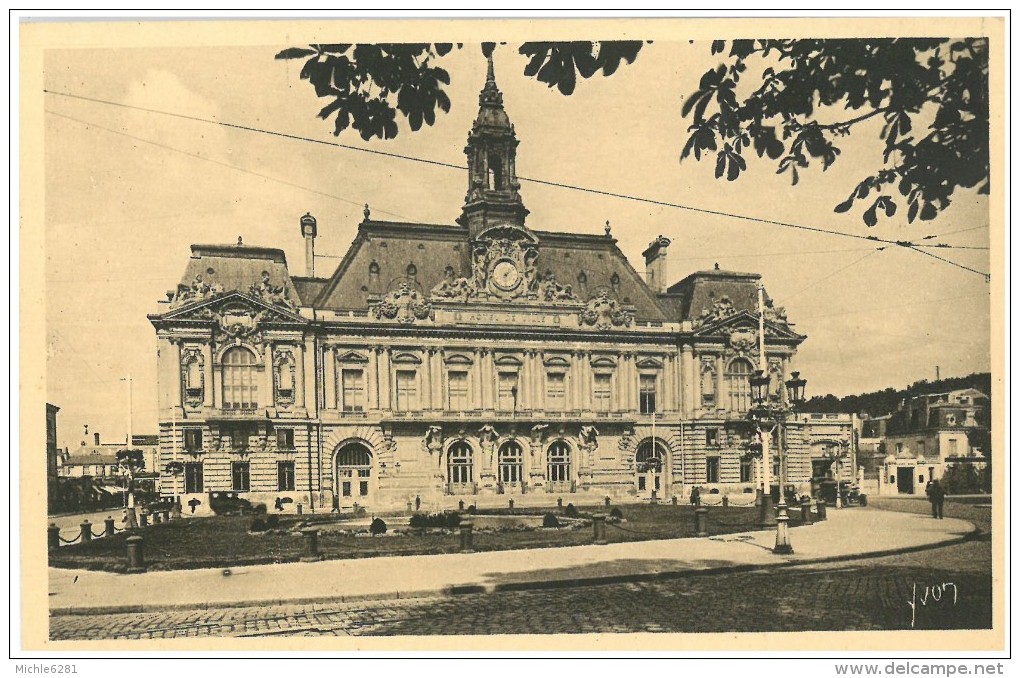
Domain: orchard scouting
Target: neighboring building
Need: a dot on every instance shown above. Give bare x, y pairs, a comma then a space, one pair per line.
929, 434
52, 454
99, 460
476, 361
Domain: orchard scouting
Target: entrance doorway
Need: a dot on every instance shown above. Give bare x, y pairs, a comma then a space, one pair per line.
649, 463
353, 468
905, 480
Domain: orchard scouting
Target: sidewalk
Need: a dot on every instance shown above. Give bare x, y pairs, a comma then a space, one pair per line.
849, 533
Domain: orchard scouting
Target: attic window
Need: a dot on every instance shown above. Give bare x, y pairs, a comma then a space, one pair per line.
566, 255
211, 270
456, 248
373, 272
382, 243
582, 279
412, 270
421, 246
615, 282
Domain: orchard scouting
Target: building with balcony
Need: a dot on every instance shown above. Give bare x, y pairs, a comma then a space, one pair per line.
478, 360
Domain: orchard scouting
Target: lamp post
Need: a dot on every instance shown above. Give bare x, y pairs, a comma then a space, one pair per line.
837, 455
775, 412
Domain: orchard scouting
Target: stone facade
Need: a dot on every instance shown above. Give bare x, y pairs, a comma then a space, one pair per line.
471, 362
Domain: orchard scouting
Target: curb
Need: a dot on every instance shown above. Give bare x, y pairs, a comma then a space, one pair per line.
474, 589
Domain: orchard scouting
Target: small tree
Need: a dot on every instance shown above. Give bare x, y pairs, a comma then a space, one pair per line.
129, 463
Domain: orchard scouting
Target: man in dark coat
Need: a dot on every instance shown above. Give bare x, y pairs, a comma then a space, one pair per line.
937, 496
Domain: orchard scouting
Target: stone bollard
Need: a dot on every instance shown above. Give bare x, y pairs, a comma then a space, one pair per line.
86, 531
598, 524
53, 537
300, 509
143, 519
135, 554
726, 500
466, 540
805, 510
820, 508
559, 503
409, 507
157, 517
175, 511
111, 528
311, 554
701, 521
674, 500
511, 503
460, 505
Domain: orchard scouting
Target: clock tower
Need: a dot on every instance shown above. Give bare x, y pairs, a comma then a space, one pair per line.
493, 196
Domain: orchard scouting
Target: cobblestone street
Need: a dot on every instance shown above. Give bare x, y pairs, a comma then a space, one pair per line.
865, 594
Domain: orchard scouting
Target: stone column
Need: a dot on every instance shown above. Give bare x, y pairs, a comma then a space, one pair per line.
476, 378
331, 399
384, 379
721, 395
210, 398
689, 379
269, 399
488, 399
307, 377
426, 378
671, 384
438, 375
372, 379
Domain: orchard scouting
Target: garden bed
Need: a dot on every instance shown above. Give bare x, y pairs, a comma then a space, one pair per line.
224, 541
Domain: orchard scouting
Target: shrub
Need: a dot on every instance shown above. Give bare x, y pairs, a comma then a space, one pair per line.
616, 513
472, 510
378, 526
550, 520
260, 509
359, 511
714, 490
257, 525
273, 522
571, 511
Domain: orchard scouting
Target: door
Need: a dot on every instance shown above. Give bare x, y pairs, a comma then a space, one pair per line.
905, 480
354, 475
649, 470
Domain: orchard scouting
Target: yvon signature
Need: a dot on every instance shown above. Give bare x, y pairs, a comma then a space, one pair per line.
935, 595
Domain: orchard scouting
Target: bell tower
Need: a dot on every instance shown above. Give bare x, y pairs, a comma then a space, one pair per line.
493, 196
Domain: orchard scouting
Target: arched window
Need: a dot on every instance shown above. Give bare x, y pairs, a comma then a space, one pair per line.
558, 467
738, 383
193, 375
353, 470
460, 463
240, 379
649, 457
285, 377
511, 463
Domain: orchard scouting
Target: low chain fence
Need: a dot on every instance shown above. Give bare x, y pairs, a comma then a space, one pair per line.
109, 529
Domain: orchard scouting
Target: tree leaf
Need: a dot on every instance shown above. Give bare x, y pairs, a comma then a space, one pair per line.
295, 53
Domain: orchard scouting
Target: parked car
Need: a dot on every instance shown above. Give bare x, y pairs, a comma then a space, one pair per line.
228, 503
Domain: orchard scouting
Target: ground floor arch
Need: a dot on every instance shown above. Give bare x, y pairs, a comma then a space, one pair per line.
352, 473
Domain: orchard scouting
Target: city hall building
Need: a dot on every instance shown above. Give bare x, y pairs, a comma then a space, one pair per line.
481, 360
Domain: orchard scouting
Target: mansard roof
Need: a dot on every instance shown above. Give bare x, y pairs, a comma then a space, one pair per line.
385, 253
238, 267
696, 294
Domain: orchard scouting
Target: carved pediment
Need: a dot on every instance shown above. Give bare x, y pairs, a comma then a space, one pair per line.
741, 324
234, 315
403, 304
352, 357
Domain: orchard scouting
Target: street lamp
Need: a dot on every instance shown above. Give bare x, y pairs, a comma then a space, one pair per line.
776, 412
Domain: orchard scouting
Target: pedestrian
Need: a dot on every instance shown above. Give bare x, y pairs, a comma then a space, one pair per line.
937, 497
417, 502
696, 496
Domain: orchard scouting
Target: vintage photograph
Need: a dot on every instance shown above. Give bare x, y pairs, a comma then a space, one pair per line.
655, 331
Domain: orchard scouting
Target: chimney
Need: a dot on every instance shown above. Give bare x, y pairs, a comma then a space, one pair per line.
655, 263
309, 230
96, 435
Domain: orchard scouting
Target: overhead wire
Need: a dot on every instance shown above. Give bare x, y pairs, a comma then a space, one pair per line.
623, 196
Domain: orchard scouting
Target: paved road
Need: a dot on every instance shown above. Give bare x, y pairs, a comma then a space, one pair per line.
865, 594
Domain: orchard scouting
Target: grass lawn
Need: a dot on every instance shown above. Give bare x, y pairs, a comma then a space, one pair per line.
224, 541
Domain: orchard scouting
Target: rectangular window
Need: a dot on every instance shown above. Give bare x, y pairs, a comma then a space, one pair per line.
193, 480
285, 439
555, 391
457, 390
746, 470
353, 390
346, 488
407, 391
193, 439
711, 437
239, 438
285, 476
363, 488
240, 475
647, 393
507, 392
603, 392
712, 470
953, 450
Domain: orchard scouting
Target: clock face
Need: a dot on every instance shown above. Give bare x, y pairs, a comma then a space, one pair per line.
506, 275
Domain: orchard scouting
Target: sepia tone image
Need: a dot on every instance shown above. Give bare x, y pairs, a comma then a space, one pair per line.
410, 335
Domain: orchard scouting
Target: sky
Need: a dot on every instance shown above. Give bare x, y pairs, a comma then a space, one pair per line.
127, 192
